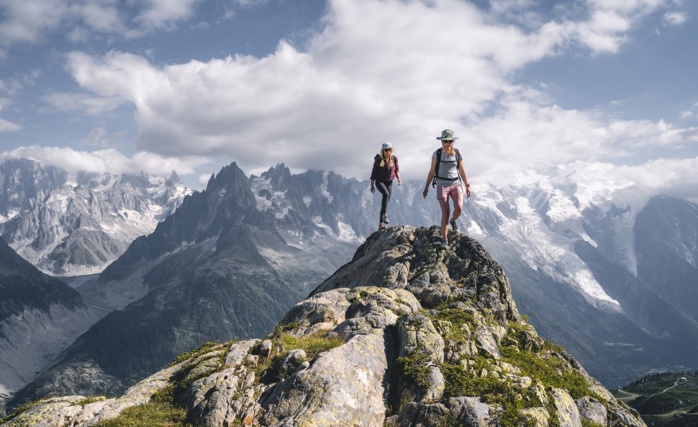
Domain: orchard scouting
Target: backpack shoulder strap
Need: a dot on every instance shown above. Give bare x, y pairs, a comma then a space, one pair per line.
438, 165
458, 157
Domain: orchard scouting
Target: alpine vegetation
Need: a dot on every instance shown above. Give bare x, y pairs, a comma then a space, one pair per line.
408, 333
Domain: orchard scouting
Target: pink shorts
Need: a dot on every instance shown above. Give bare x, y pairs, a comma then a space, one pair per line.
442, 193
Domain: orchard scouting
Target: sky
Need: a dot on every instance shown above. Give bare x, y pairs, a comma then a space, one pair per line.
194, 85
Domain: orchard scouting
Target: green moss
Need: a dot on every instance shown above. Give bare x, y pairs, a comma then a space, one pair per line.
22, 408
415, 368
192, 370
550, 369
313, 345
154, 414
206, 347
89, 400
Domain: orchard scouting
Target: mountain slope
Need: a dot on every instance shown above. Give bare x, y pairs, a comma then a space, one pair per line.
666, 232
217, 269
406, 334
39, 317
664, 399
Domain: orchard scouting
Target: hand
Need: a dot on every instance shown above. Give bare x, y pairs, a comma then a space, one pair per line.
373, 189
399, 182
467, 191
424, 193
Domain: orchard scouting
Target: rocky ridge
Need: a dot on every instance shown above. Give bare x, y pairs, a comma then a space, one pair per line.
405, 334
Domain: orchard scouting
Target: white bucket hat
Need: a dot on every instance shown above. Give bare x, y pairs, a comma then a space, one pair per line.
387, 145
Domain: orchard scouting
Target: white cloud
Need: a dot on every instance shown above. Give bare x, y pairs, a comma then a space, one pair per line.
675, 18
107, 160
159, 14
93, 105
32, 21
610, 20
384, 70
29, 20
98, 137
249, 3
6, 126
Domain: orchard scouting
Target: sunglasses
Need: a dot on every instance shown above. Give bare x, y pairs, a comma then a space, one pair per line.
446, 141
387, 149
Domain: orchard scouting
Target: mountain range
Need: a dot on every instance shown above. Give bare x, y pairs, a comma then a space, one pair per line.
74, 225
605, 275
408, 333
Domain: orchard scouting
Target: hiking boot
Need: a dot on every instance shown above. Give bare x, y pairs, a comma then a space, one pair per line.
381, 226
454, 225
385, 219
443, 243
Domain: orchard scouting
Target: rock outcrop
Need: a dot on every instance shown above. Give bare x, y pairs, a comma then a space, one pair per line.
406, 334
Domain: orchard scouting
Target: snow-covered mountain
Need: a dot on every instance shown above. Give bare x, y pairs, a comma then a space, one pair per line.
227, 264
599, 266
77, 225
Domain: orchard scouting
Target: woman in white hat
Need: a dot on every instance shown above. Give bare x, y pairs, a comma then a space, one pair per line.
385, 169
448, 175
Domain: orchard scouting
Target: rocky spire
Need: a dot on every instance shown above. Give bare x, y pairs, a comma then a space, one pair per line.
406, 334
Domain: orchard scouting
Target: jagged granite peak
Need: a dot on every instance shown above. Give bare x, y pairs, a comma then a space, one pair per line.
278, 175
24, 183
76, 225
406, 334
173, 179
227, 200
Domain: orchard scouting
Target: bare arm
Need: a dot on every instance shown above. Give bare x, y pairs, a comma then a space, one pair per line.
465, 179
432, 171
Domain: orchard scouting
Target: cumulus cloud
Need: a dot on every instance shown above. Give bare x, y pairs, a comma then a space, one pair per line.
675, 18
28, 20
159, 14
398, 71
107, 160
31, 21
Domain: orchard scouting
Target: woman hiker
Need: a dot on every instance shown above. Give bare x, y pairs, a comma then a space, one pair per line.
385, 169
448, 175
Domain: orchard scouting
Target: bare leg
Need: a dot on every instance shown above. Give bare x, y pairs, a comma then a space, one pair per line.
445, 212
457, 205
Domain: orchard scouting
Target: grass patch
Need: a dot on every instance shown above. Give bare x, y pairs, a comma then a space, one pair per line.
153, 414
415, 368
206, 347
312, 344
283, 343
88, 400
550, 369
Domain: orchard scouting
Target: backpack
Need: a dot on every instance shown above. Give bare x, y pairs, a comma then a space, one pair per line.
378, 158
438, 164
